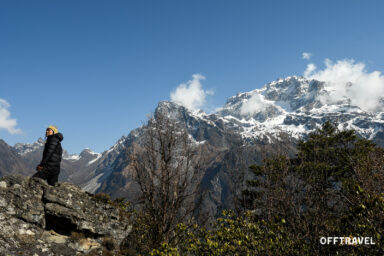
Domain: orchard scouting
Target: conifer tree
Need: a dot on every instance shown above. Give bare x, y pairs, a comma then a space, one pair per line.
333, 187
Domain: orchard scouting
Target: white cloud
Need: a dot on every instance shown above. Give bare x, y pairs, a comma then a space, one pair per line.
306, 55
310, 69
191, 94
348, 79
255, 104
5, 121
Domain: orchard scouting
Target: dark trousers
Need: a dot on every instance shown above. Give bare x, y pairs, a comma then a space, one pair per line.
51, 175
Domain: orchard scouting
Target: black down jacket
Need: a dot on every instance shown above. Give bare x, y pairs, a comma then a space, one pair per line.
52, 151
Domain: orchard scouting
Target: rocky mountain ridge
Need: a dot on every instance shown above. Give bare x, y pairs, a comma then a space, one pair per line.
297, 106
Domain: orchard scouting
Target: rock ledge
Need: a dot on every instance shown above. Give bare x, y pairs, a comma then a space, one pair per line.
38, 219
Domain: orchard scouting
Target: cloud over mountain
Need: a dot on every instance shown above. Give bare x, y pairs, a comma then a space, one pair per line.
5, 121
255, 104
349, 80
191, 94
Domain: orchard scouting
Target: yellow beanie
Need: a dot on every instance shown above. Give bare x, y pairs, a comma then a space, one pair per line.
53, 128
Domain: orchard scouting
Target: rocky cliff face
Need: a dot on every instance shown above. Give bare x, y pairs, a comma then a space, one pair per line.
11, 162
224, 160
38, 219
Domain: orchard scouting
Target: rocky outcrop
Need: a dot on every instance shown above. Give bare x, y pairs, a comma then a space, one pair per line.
38, 219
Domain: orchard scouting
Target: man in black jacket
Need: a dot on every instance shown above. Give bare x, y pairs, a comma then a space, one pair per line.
49, 167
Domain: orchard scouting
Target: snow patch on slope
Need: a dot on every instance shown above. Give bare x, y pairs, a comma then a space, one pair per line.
94, 160
23, 148
93, 184
73, 157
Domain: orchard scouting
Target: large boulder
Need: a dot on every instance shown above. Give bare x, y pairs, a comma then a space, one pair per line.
39, 219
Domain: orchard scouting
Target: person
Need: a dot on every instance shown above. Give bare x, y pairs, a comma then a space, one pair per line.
49, 167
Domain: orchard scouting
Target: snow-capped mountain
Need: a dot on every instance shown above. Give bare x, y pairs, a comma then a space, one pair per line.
23, 148
74, 167
259, 123
297, 106
86, 168
293, 106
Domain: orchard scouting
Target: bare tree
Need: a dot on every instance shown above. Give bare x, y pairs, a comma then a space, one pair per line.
166, 166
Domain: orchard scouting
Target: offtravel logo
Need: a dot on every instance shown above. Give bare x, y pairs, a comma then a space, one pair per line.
347, 240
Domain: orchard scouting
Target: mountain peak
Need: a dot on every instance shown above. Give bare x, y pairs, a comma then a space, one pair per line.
87, 152
169, 106
24, 148
171, 109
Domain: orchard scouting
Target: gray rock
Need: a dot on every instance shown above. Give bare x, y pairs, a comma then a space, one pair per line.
55, 220
3, 184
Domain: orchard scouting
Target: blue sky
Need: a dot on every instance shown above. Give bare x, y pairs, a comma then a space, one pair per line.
97, 68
